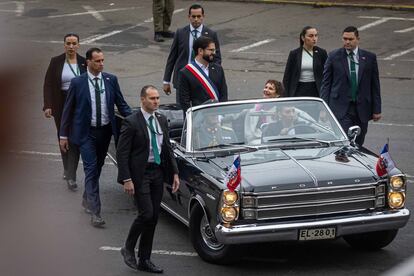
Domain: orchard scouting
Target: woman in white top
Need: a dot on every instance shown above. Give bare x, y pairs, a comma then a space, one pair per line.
62, 69
304, 67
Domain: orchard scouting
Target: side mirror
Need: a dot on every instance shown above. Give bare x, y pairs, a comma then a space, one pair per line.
353, 132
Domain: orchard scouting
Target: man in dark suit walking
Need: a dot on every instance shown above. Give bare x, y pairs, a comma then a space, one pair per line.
145, 160
88, 120
202, 80
351, 85
181, 52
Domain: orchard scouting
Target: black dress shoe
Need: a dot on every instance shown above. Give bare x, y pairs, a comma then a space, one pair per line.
167, 34
158, 37
72, 185
97, 221
148, 266
129, 258
85, 207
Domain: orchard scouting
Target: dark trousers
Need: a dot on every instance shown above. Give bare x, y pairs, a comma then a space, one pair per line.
148, 200
351, 118
93, 153
306, 89
70, 158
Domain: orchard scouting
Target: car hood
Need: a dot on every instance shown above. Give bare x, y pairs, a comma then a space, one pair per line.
297, 171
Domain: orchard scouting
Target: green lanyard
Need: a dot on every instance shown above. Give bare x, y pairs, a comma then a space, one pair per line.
77, 73
99, 85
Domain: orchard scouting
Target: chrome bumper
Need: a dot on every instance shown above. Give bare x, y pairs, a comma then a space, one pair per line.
265, 232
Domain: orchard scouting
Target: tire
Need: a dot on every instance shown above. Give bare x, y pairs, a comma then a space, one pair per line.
372, 240
205, 243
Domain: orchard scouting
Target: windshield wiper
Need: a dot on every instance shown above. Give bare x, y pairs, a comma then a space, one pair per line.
299, 139
231, 145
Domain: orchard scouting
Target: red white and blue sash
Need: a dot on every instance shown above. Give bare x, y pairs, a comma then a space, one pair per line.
204, 80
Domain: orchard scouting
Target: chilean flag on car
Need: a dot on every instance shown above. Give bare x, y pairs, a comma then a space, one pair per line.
384, 163
233, 177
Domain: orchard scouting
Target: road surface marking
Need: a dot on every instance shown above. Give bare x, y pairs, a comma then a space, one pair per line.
91, 12
405, 30
392, 124
391, 57
159, 252
375, 23
19, 8
94, 13
252, 45
390, 18
99, 37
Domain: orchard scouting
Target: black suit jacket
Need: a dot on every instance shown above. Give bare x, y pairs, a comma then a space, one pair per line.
133, 150
336, 84
52, 95
294, 67
179, 52
191, 92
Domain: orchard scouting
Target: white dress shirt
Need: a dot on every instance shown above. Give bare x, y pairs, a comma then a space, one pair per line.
203, 67
104, 106
356, 59
158, 134
191, 39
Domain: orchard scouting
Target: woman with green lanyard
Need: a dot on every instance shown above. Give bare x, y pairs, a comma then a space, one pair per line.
62, 69
304, 67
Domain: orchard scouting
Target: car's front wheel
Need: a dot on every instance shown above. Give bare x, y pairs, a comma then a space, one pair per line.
371, 240
205, 242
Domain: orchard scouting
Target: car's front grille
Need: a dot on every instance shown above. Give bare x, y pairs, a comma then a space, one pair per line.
311, 202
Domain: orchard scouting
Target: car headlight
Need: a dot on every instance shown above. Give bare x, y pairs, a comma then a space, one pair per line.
228, 213
396, 199
397, 182
229, 197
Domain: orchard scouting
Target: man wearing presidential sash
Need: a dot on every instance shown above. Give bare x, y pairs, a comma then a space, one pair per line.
202, 80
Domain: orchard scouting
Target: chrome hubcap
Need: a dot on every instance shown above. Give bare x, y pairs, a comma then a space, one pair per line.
208, 235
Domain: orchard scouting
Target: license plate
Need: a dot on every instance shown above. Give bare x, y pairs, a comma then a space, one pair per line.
317, 234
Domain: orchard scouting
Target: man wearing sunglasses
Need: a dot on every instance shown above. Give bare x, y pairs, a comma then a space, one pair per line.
181, 52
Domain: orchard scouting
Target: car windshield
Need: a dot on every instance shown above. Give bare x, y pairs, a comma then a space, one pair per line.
263, 123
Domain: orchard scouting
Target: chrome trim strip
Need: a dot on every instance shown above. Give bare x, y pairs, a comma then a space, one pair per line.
318, 189
318, 202
311, 175
174, 214
316, 192
112, 158
257, 232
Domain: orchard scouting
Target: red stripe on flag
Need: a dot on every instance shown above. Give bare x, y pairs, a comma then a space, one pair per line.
202, 82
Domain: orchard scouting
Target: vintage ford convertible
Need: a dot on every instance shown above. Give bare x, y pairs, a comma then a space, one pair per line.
303, 178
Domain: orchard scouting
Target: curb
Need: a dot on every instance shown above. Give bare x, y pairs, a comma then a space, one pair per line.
329, 4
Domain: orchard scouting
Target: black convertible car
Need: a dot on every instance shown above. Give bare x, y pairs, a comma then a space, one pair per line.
303, 178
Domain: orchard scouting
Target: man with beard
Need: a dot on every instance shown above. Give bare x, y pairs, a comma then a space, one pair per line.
181, 52
202, 80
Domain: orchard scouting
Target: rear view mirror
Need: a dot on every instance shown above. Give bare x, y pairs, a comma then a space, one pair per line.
353, 132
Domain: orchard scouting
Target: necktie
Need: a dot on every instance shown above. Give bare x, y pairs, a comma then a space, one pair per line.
194, 34
154, 145
98, 103
354, 85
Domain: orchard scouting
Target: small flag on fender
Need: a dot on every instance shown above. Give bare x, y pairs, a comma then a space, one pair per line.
233, 177
385, 163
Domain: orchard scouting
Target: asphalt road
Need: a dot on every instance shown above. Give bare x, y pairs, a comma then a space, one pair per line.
43, 228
